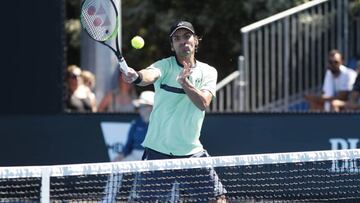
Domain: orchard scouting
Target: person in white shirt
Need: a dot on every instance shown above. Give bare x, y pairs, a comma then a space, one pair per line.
338, 83
353, 104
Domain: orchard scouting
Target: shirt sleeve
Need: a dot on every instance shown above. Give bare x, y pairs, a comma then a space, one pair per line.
159, 66
346, 80
352, 79
209, 80
328, 85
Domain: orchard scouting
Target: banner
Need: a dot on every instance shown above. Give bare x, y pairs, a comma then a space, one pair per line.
115, 136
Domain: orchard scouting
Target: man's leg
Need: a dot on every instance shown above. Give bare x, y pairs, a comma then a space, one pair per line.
154, 186
202, 184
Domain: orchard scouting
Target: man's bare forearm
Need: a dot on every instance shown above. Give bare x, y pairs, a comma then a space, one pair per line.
201, 99
148, 76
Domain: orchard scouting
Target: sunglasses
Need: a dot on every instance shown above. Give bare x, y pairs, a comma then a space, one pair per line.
72, 76
334, 62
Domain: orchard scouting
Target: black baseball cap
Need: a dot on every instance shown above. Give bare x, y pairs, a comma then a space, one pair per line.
181, 24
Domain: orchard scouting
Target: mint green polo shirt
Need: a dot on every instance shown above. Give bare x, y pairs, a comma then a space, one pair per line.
175, 122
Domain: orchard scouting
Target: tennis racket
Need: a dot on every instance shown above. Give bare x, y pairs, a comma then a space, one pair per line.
100, 19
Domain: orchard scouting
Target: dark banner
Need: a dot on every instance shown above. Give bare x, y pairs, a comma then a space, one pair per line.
85, 138
267, 133
33, 57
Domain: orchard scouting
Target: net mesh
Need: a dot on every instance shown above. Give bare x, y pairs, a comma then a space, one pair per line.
321, 176
99, 19
24, 189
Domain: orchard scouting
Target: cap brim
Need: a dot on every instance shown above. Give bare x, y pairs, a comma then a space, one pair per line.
181, 27
139, 102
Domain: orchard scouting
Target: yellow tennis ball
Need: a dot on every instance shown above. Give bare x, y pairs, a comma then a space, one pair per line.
137, 42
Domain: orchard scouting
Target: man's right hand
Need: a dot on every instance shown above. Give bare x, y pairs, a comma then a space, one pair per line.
131, 76
143, 77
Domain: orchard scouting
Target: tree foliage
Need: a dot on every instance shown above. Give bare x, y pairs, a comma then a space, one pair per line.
217, 22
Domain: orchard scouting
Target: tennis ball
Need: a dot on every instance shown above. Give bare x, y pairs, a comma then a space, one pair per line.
137, 42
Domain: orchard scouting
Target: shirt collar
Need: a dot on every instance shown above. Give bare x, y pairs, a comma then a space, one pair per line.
181, 65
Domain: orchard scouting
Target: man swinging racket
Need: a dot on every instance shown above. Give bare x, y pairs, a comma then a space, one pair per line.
184, 88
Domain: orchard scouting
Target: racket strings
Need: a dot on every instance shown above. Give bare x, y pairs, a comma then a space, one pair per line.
99, 18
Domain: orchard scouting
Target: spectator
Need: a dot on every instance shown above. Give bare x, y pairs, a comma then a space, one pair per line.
337, 84
119, 99
89, 80
78, 97
353, 104
133, 150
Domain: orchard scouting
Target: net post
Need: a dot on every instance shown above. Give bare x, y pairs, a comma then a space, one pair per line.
45, 185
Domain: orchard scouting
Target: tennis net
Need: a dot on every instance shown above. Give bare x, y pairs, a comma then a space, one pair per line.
313, 176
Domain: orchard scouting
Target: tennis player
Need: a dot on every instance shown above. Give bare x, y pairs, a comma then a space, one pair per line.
184, 88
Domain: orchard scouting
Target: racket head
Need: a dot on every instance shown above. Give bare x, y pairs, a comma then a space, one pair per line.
99, 18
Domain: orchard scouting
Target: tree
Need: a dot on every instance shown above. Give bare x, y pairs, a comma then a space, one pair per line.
217, 22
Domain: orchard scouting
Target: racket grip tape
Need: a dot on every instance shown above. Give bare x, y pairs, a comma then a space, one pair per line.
123, 66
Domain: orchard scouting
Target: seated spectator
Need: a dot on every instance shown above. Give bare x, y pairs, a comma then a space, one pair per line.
337, 84
77, 96
120, 99
353, 104
133, 150
89, 80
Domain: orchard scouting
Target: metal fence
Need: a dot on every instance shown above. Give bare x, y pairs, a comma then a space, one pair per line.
285, 56
354, 36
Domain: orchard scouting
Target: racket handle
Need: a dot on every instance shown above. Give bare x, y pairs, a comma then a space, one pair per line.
124, 68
